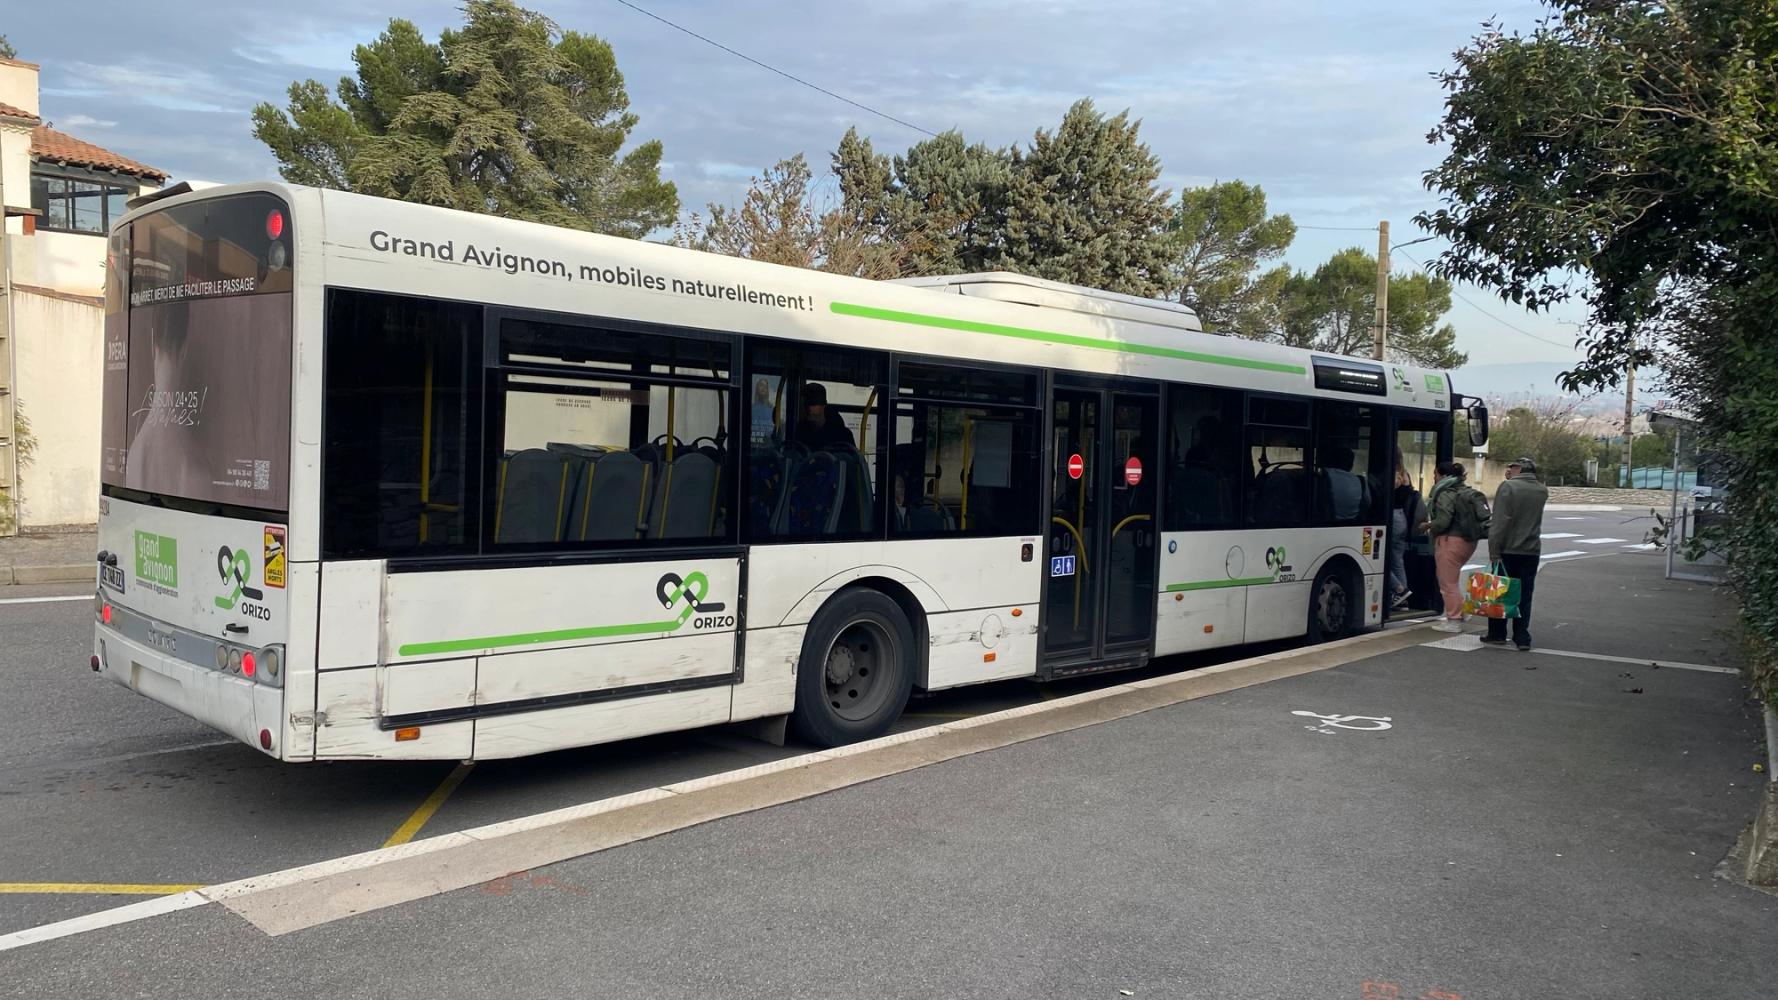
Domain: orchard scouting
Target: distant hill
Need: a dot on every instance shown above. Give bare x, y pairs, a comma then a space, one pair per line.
1517, 382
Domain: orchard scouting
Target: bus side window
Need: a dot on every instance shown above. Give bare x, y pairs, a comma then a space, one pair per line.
816, 473
397, 482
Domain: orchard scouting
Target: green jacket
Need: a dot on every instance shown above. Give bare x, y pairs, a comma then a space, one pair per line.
1459, 509
1517, 525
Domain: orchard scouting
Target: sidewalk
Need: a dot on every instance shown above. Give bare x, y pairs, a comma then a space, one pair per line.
50, 558
1526, 826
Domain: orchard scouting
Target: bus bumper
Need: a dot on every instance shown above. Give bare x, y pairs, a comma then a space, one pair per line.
248, 711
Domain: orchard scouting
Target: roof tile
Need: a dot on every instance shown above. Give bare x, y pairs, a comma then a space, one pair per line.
9, 111
60, 147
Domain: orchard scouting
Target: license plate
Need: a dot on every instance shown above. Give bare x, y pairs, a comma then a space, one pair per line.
111, 576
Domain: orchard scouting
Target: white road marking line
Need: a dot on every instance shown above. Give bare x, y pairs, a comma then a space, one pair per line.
104, 918
1561, 534
45, 600
1558, 555
1571, 519
1669, 664
1594, 541
1644, 547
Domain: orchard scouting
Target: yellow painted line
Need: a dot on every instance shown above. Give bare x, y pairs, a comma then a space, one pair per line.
406, 831
99, 888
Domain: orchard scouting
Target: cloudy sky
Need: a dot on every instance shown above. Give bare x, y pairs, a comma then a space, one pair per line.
1325, 105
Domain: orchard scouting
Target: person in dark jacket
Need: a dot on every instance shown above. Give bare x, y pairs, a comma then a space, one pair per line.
1515, 542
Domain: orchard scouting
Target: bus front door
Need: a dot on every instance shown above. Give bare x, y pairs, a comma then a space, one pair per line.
1099, 604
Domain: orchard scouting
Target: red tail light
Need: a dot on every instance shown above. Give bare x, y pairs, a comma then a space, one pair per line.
247, 664
105, 613
274, 224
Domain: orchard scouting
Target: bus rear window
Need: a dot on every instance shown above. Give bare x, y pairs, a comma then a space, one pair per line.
198, 376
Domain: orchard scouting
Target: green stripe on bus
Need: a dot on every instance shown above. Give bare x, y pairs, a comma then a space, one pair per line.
1254, 581
1049, 337
536, 638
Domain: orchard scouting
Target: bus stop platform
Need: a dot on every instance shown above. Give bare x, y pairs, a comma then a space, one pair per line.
1438, 820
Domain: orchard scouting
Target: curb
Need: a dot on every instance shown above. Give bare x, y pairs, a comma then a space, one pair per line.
62, 573
309, 895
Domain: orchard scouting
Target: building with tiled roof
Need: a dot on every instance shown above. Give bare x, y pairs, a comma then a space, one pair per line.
59, 149
62, 194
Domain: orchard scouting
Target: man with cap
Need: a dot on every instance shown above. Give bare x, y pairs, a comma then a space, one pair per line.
1515, 542
820, 430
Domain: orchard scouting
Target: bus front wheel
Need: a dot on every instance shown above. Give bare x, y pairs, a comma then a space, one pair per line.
856, 671
1333, 604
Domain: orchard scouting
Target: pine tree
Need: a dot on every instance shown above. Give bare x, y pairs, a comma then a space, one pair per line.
505, 116
1334, 310
1221, 235
1084, 208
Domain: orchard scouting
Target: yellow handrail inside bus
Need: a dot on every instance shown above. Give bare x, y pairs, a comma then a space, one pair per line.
667, 480
426, 447
1081, 544
864, 424
968, 458
1127, 520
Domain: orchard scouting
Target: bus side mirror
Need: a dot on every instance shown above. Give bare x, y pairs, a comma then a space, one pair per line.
1478, 425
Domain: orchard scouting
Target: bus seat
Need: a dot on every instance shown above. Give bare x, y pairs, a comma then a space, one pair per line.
533, 495
611, 505
771, 470
1199, 496
816, 490
858, 511
688, 497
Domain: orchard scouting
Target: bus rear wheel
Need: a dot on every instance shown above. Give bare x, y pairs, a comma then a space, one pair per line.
856, 671
1333, 604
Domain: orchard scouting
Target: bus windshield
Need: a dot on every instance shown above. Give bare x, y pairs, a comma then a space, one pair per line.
198, 353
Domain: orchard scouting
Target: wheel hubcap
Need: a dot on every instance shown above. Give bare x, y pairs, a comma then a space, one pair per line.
856, 675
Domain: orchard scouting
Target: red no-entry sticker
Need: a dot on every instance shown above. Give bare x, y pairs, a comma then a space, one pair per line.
1133, 471
1076, 466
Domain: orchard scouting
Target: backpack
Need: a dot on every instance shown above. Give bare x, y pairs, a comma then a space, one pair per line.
1475, 505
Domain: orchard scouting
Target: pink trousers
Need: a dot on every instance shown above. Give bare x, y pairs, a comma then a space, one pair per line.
1451, 552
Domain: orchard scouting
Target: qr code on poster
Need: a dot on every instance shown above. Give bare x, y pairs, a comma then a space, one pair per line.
262, 474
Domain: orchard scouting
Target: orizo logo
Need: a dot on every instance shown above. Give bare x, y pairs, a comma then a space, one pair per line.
235, 567
1275, 558
690, 590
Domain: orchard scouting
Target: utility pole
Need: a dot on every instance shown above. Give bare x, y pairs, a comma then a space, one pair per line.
9, 469
1629, 394
1380, 335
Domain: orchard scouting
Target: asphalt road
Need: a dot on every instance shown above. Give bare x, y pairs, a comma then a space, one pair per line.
101, 786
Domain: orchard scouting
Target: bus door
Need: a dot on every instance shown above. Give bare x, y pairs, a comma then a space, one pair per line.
1421, 443
1099, 602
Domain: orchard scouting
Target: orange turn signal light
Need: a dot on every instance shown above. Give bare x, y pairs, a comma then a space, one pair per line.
406, 734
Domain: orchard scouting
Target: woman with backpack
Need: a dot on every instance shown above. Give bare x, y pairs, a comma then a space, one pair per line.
1459, 521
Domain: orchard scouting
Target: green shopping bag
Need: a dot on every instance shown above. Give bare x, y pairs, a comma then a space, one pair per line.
1492, 594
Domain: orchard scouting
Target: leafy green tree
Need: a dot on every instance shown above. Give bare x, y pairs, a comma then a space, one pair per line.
1084, 207
1626, 154
1334, 309
1221, 236
506, 116
6, 49
781, 220
1545, 433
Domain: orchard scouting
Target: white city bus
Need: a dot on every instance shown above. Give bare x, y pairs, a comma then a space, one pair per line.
389, 481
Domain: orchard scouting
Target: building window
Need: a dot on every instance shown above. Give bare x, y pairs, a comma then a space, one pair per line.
73, 205
962, 466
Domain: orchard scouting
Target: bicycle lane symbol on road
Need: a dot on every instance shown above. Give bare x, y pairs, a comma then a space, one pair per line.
1328, 724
